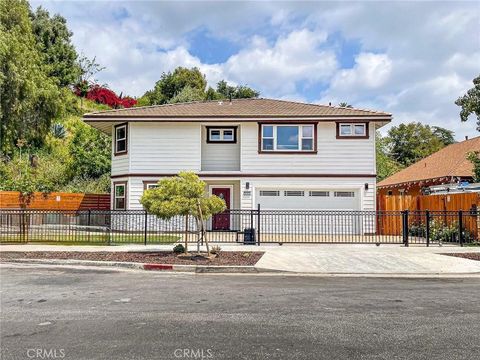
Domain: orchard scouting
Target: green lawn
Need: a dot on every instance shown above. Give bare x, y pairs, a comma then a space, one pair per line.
90, 239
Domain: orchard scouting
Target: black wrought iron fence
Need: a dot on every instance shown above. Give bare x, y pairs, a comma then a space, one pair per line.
240, 226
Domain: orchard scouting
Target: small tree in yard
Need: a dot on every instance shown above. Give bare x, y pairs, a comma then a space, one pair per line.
182, 195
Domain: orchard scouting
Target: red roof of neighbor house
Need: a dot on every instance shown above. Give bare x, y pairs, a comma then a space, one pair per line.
451, 161
237, 108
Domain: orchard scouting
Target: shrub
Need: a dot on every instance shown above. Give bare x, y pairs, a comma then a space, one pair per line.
216, 249
179, 249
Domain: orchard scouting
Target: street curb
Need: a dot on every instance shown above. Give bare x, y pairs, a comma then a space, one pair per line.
142, 266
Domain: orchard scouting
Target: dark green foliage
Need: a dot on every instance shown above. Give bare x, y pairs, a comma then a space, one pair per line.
409, 143
54, 42
90, 151
386, 166
470, 102
474, 158
184, 85
179, 249
30, 98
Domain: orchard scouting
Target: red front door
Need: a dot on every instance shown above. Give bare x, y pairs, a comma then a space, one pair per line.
222, 221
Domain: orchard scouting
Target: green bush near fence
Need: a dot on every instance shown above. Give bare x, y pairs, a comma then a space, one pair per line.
440, 232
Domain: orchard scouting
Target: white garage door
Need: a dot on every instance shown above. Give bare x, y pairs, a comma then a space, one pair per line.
298, 199
344, 222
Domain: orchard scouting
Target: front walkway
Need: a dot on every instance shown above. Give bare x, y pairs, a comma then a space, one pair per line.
353, 259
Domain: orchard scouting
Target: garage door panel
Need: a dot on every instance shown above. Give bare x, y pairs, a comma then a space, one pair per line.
295, 199
329, 222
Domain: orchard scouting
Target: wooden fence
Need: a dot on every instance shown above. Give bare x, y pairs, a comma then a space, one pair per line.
467, 202
54, 201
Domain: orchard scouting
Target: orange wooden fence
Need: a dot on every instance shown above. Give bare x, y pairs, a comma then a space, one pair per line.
54, 201
391, 225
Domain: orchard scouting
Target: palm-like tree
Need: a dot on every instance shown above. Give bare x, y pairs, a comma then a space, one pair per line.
345, 105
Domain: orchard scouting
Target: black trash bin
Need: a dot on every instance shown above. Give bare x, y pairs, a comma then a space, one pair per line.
249, 236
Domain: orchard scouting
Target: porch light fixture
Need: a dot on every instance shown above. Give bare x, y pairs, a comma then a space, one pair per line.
247, 185
366, 186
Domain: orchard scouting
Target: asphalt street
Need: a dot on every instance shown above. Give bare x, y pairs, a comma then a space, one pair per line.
105, 314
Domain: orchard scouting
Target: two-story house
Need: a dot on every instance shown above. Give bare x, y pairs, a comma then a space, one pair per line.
279, 154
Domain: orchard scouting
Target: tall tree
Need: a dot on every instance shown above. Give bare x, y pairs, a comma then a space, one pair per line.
29, 98
386, 166
235, 92
53, 39
172, 83
345, 105
470, 102
411, 142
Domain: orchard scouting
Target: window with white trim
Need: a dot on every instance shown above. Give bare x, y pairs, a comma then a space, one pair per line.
149, 186
352, 130
221, 135
121, 139
119, 194
287, 138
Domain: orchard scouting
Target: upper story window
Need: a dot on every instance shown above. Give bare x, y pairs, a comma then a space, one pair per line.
221, 134
352, 130
147, 185
287, 138
120, 140
120, 196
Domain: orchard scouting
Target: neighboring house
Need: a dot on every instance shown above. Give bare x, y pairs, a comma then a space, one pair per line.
279, 154
447, 166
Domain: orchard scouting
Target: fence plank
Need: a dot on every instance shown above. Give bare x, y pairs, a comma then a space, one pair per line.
54, 201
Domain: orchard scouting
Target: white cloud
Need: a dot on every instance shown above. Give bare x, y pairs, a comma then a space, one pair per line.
275, 69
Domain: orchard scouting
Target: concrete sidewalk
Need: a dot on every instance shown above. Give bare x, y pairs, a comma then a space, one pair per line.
353, 259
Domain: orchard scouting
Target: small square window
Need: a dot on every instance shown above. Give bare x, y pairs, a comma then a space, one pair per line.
360, 129
267, 131
345, 130
352, 130
307, 144
221, 135
267, 144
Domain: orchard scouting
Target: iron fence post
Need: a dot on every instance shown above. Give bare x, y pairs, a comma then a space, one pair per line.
405, 227
427, 226
460, 227
88, 225
145, 228
22, 227
258, 224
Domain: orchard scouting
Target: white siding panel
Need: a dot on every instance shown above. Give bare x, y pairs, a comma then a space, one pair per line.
164, 147
120, 163
218, 156
343, 156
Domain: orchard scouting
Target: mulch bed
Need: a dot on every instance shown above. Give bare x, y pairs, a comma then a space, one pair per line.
471, 256
238, 258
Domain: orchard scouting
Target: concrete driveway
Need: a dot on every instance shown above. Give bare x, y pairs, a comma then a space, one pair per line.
368, 259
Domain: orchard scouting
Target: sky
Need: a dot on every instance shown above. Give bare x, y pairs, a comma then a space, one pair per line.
412, 59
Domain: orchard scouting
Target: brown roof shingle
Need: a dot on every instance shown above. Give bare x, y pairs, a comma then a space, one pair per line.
447, 162
237, 108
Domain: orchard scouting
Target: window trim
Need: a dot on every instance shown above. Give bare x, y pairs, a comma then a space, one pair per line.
221, 128
285, 152
353, 136
115, 184
123, 152
147, 183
